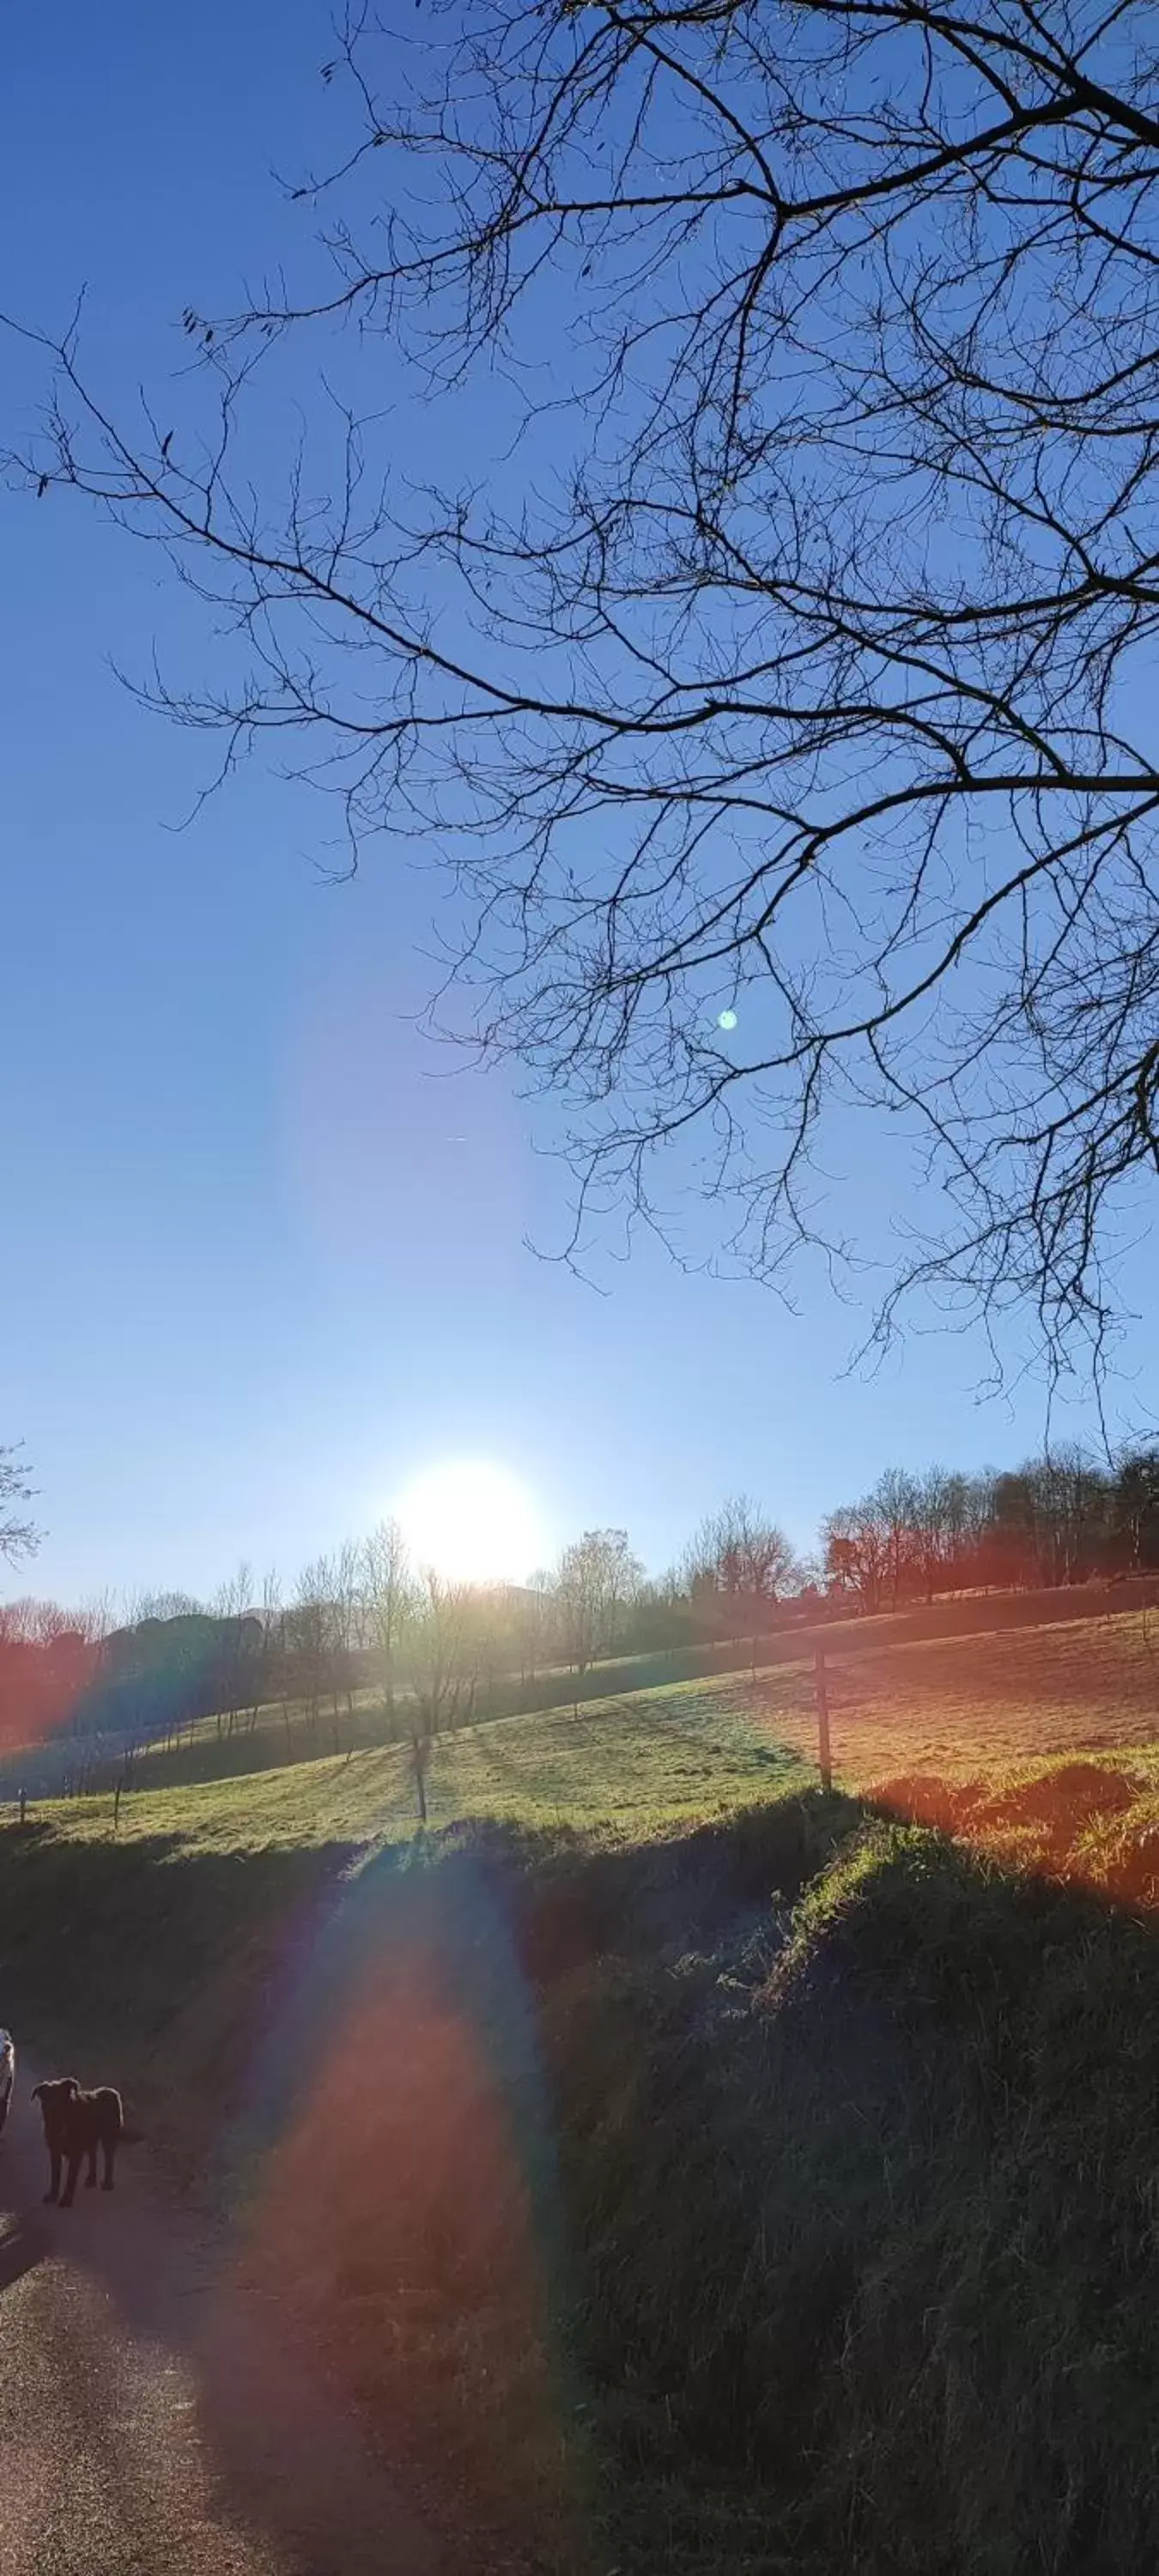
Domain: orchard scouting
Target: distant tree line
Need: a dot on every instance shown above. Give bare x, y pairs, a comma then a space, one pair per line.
1057, 1520
429, 1652
366, 1645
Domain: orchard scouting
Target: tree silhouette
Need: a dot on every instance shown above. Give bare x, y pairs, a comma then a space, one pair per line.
18, 1537
789, 728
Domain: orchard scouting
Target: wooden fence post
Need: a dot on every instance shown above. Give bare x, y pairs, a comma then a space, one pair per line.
117, 1808
23, 1804
824, 1754
421, 1749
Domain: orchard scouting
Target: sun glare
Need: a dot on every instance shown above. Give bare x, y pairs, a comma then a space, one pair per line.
472, 1522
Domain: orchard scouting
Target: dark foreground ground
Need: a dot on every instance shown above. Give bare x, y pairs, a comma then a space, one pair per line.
151, 2419
776, 2197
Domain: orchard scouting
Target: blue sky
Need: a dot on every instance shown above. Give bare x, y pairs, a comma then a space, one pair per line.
263, 1261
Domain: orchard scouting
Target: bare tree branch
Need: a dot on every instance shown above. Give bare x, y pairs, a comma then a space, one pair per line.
792, 741
18, 1537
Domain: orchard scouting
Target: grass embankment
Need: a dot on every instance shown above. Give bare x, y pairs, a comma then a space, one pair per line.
769, 2191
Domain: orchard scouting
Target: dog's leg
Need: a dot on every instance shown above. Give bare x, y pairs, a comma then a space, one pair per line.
68, 2195
110, 2153
53, 2192
91, 2175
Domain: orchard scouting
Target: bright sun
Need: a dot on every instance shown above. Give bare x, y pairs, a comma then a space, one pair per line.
472, 1523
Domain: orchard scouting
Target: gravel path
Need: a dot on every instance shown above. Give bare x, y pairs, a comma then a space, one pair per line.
149, 2419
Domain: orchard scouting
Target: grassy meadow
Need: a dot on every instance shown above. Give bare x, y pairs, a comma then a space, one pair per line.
679, 2165
967, 1712
632, 1766
1108, 1632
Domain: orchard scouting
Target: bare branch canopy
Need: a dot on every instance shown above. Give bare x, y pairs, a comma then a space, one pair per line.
785, 700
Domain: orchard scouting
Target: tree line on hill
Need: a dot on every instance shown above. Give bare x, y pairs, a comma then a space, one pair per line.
1060, 1519
368, 1627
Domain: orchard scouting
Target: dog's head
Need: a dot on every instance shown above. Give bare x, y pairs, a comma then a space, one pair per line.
56, 2094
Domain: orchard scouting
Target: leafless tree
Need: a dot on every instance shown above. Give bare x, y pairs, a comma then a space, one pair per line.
323, 1624
939, 1509
160, 1605
491, 1646
1137, 1509
740, 1563
909, 1535
308, 1636
346, 1618
856, 1551
436, 1649
280, 1659
786, 700
389, 1598
18, 1537
1059, 1511
598, 1577
232, 1606
96, 1617
895, 1503
536, 1622
269, 1662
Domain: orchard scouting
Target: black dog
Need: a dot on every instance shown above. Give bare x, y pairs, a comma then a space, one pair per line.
76, 2123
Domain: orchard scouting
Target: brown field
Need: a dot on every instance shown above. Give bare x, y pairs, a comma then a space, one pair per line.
969, 1704
1039, 1745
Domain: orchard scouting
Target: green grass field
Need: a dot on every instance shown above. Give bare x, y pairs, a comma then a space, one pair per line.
1010, 1637
630, 1767
274, 1735
702, 2170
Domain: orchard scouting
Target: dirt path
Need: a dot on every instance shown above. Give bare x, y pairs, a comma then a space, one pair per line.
149, 2419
